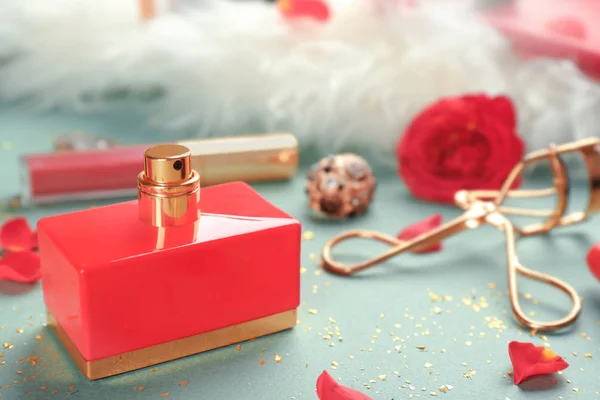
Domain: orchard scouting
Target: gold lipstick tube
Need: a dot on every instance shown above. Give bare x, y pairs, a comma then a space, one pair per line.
252, 158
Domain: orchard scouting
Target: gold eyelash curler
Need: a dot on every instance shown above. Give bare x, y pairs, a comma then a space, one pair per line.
485, 207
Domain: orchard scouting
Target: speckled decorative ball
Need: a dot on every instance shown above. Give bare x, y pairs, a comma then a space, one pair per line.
340, 186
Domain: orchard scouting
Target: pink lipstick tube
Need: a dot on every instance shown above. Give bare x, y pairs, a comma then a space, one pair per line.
100, 174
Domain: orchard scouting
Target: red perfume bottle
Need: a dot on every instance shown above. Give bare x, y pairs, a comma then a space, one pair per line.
139, 283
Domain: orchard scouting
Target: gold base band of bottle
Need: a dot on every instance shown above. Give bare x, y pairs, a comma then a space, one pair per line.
175, 349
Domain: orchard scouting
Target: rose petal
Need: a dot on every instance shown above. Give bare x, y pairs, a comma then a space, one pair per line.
529, 360
593, 260
22, 266
314, 9
329, 389
416, 229
16, 235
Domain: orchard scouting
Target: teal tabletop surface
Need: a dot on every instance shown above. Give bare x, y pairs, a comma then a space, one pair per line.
417, 327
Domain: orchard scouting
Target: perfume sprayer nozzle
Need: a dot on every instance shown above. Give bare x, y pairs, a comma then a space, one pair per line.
168, 188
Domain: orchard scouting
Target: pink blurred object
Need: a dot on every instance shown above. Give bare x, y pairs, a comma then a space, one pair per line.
315, 9
552, 28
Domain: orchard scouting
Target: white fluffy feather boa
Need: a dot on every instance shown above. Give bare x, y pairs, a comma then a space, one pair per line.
223, 67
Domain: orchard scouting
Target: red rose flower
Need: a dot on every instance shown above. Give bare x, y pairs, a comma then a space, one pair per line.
457, 143
529, 360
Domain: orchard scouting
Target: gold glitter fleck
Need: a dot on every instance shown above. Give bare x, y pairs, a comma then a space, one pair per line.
432, 393
313, 311
450, 387
382, 377
576, 390
468, 343
38, 337
7, 345
491, 285
575, 353
420, 347
428, 365
308, 235
20, 330
44, 388
442, 350
533, 332
277, 358
437, 310
588, 355
527, 296
184, 383
238, 347
319, 272
302, 270
1, 362
331, 320
331, 344
543, 337
510, 373
433, 296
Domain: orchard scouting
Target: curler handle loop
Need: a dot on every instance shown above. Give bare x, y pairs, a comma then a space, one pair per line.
472, 218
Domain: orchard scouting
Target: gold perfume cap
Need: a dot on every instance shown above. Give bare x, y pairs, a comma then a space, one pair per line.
168, 163
168, 188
